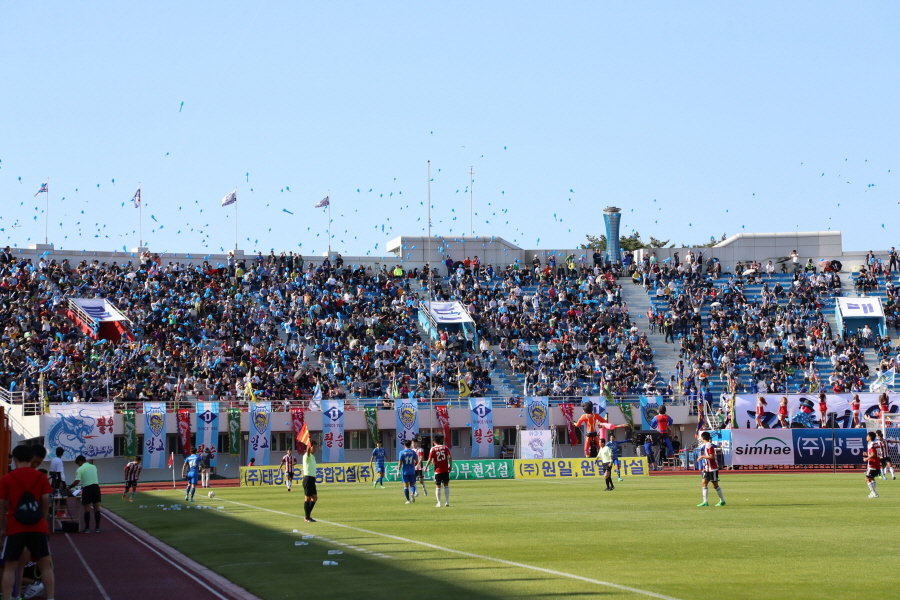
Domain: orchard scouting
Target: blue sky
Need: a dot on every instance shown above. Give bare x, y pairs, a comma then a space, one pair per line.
696, 119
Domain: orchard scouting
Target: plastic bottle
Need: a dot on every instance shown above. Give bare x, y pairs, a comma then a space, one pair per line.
329, 563
335, 552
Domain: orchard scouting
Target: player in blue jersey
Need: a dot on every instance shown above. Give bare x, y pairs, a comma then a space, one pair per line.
190, 470
613, 446
409, 462
378, 458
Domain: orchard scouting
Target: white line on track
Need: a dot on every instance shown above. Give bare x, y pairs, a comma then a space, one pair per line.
470, 555
88, 568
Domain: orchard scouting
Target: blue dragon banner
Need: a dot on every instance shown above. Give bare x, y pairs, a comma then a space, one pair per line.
154, 435
81, 429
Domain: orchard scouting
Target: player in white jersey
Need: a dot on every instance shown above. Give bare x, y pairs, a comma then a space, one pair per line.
710, 469
885, 455
287, 465
420, 474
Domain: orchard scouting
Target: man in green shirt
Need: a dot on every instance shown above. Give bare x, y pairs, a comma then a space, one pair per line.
310, 497
86, 475
604, 457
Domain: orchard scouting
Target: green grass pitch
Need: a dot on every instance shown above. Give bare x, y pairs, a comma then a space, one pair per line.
780, 536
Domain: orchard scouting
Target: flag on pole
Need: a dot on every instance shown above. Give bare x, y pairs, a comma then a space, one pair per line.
323, 203
137, 198
44, 190
395, 391
882, 381
303, 438
230, 198
171, 462
464, 391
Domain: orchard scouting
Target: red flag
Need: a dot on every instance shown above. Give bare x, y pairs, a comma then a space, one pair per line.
567, 411
171, 460
301, 431
184, 430
443, 418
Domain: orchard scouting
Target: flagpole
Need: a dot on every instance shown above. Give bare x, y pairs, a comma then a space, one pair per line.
140, 219
47, 216
430, 347
329, 221
235, 220
471, 201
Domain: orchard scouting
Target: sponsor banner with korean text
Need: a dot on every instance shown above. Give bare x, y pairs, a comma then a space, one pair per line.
183, 419
330, 473
649, 409
234, 431
260, 444
332, 431
208, 430
762, 447
565, 468
464, 469
154, 435
803, 409
537, 413
407, 421
85, 429
128, 420
849, 446
536, 444
481, 413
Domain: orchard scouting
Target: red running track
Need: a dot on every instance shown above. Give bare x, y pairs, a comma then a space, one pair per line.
125, 563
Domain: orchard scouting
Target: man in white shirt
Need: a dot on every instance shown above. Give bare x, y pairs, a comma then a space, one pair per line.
57, 470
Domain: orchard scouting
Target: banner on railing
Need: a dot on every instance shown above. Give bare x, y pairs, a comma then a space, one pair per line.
407, 414
464, 469
566, 468
260, 432
803, 409
536, 444
333, 431
208, 430
81, 429
130, 427
649, 409
537, 413
183, 418
331, 473
99, 309
154, 435
234, 431
448, 312
481, 413
568, 412
794, 447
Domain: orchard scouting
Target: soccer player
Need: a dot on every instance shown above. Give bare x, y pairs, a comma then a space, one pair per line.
310, 495
443, 464
823, 411
662, 423
378, 458
192, 467
710, 469
409, 460
287, 465
613, 446
604, 457
873, 464
885, 455
86, 475
420, 474
132, 474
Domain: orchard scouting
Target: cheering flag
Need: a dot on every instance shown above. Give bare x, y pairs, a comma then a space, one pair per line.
303, 438
882, 381
137, 198
44, 190
323, 203
230, 198
464, 391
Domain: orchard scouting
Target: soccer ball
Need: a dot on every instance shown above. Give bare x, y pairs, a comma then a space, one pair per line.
212, 494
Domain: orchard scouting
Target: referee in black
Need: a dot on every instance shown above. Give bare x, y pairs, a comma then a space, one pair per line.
310, 497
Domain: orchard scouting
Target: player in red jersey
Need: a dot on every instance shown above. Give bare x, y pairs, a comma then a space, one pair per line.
132, 474
823, 411
443, 464
710, 469
287, 465
873, 464
420, 474
854, 410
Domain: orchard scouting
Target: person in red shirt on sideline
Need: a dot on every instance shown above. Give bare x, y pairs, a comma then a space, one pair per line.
663, 423
25, 526
873, 464
594, 426
443, 464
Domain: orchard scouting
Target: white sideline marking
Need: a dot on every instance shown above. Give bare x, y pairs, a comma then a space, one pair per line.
471, 555
88, 569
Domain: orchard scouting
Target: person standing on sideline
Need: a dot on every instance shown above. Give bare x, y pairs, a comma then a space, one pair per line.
86, 475
420, 475
443, 464
760, 411
783, 413
132, 474
310, 495
648, 450
190, 470
287, 465
58, 470
19, 535
604, 457
823, 411
854, 411
710, 469
873, 464
378, 458
613, 446
663, 424
885, 455
206, 464
409, 460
